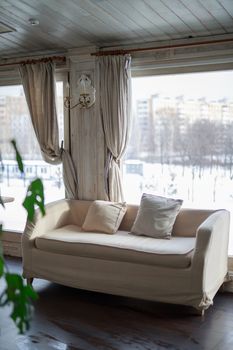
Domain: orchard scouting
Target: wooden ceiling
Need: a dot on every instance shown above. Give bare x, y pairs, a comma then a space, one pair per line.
67, 24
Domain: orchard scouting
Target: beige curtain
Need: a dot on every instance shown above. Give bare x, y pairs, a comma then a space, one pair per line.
40, 90
115, 105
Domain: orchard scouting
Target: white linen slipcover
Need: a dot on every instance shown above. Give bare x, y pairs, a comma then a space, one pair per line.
194, 285
122, 246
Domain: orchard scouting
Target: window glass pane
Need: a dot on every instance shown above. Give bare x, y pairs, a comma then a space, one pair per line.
182, 140
15, 124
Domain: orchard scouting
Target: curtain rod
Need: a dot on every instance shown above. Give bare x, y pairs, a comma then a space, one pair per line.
33, 61
128, 51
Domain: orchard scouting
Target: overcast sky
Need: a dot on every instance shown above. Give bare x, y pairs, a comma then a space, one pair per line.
212, 85
18, 90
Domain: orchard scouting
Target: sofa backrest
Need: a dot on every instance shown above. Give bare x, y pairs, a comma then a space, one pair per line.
188, 220
186, 224
78, 211
129, 217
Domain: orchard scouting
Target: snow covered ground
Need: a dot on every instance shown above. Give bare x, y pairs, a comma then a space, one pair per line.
212, 189
14, 215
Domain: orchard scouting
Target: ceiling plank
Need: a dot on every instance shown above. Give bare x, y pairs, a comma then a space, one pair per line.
169, 16
135, 30
34, 32
204, 16
186, 16
228, 6
164, 29
66, 24
137, 17
218, 12
47, 13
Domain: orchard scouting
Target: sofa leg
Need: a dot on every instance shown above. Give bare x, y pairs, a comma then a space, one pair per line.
199, 312
202, 313
30, 281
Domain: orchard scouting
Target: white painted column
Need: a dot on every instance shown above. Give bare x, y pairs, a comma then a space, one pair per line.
87, 139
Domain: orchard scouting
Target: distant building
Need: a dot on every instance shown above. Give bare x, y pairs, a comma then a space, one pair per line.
160, 122
15, 124
134, 167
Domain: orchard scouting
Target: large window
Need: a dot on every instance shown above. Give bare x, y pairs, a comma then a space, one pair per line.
16, 124
182, 140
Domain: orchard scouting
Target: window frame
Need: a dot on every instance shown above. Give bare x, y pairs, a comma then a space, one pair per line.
11, 77
145, 66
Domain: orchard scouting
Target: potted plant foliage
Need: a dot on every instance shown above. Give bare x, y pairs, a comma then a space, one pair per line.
16, 292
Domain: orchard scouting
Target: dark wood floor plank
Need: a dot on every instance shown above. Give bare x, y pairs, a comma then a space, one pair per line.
71, 319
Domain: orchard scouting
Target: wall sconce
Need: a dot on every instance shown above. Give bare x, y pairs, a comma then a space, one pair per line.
86, 93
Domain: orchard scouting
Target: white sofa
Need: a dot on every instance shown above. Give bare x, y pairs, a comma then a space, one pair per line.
187, 269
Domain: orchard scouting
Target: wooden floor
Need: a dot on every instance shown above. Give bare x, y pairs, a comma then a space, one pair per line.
70, 319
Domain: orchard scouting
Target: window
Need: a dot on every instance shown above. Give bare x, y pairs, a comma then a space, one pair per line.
182, 140
16, 124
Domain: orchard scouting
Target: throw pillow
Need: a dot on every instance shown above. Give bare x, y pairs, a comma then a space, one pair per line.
103, 216
156, 216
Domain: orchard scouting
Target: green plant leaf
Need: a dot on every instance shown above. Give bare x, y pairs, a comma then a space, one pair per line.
34, 197
1, 202
1, 266
18, 156
16, 293
1, 249
20, 296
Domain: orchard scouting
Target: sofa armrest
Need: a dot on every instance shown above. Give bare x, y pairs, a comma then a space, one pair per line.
57, 215
210, 257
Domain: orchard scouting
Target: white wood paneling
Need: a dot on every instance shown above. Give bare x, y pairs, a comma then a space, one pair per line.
66, 24
87, 140
227, 5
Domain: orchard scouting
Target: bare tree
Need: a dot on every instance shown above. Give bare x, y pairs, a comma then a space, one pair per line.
202, 136
165, 123
228, 148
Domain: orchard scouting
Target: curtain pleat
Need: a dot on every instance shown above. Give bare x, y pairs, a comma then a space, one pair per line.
115, 105
40, 90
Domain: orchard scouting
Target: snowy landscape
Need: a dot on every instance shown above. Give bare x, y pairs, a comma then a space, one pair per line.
213, 189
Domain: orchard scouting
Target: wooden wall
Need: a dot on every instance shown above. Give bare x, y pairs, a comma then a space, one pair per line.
87, 144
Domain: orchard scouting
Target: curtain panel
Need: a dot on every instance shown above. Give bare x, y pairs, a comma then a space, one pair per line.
40, 90
115, 107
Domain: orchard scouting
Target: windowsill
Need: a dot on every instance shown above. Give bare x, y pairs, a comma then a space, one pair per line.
16, 227
18, 232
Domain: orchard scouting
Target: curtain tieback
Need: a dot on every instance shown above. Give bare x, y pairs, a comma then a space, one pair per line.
112, 158
116, 160
61, 149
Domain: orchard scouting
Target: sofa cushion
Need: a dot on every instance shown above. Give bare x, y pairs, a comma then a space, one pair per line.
156, 216
104, 216
70, 240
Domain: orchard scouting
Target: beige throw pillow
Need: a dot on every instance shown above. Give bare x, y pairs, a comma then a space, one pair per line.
156, 216
103, 216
